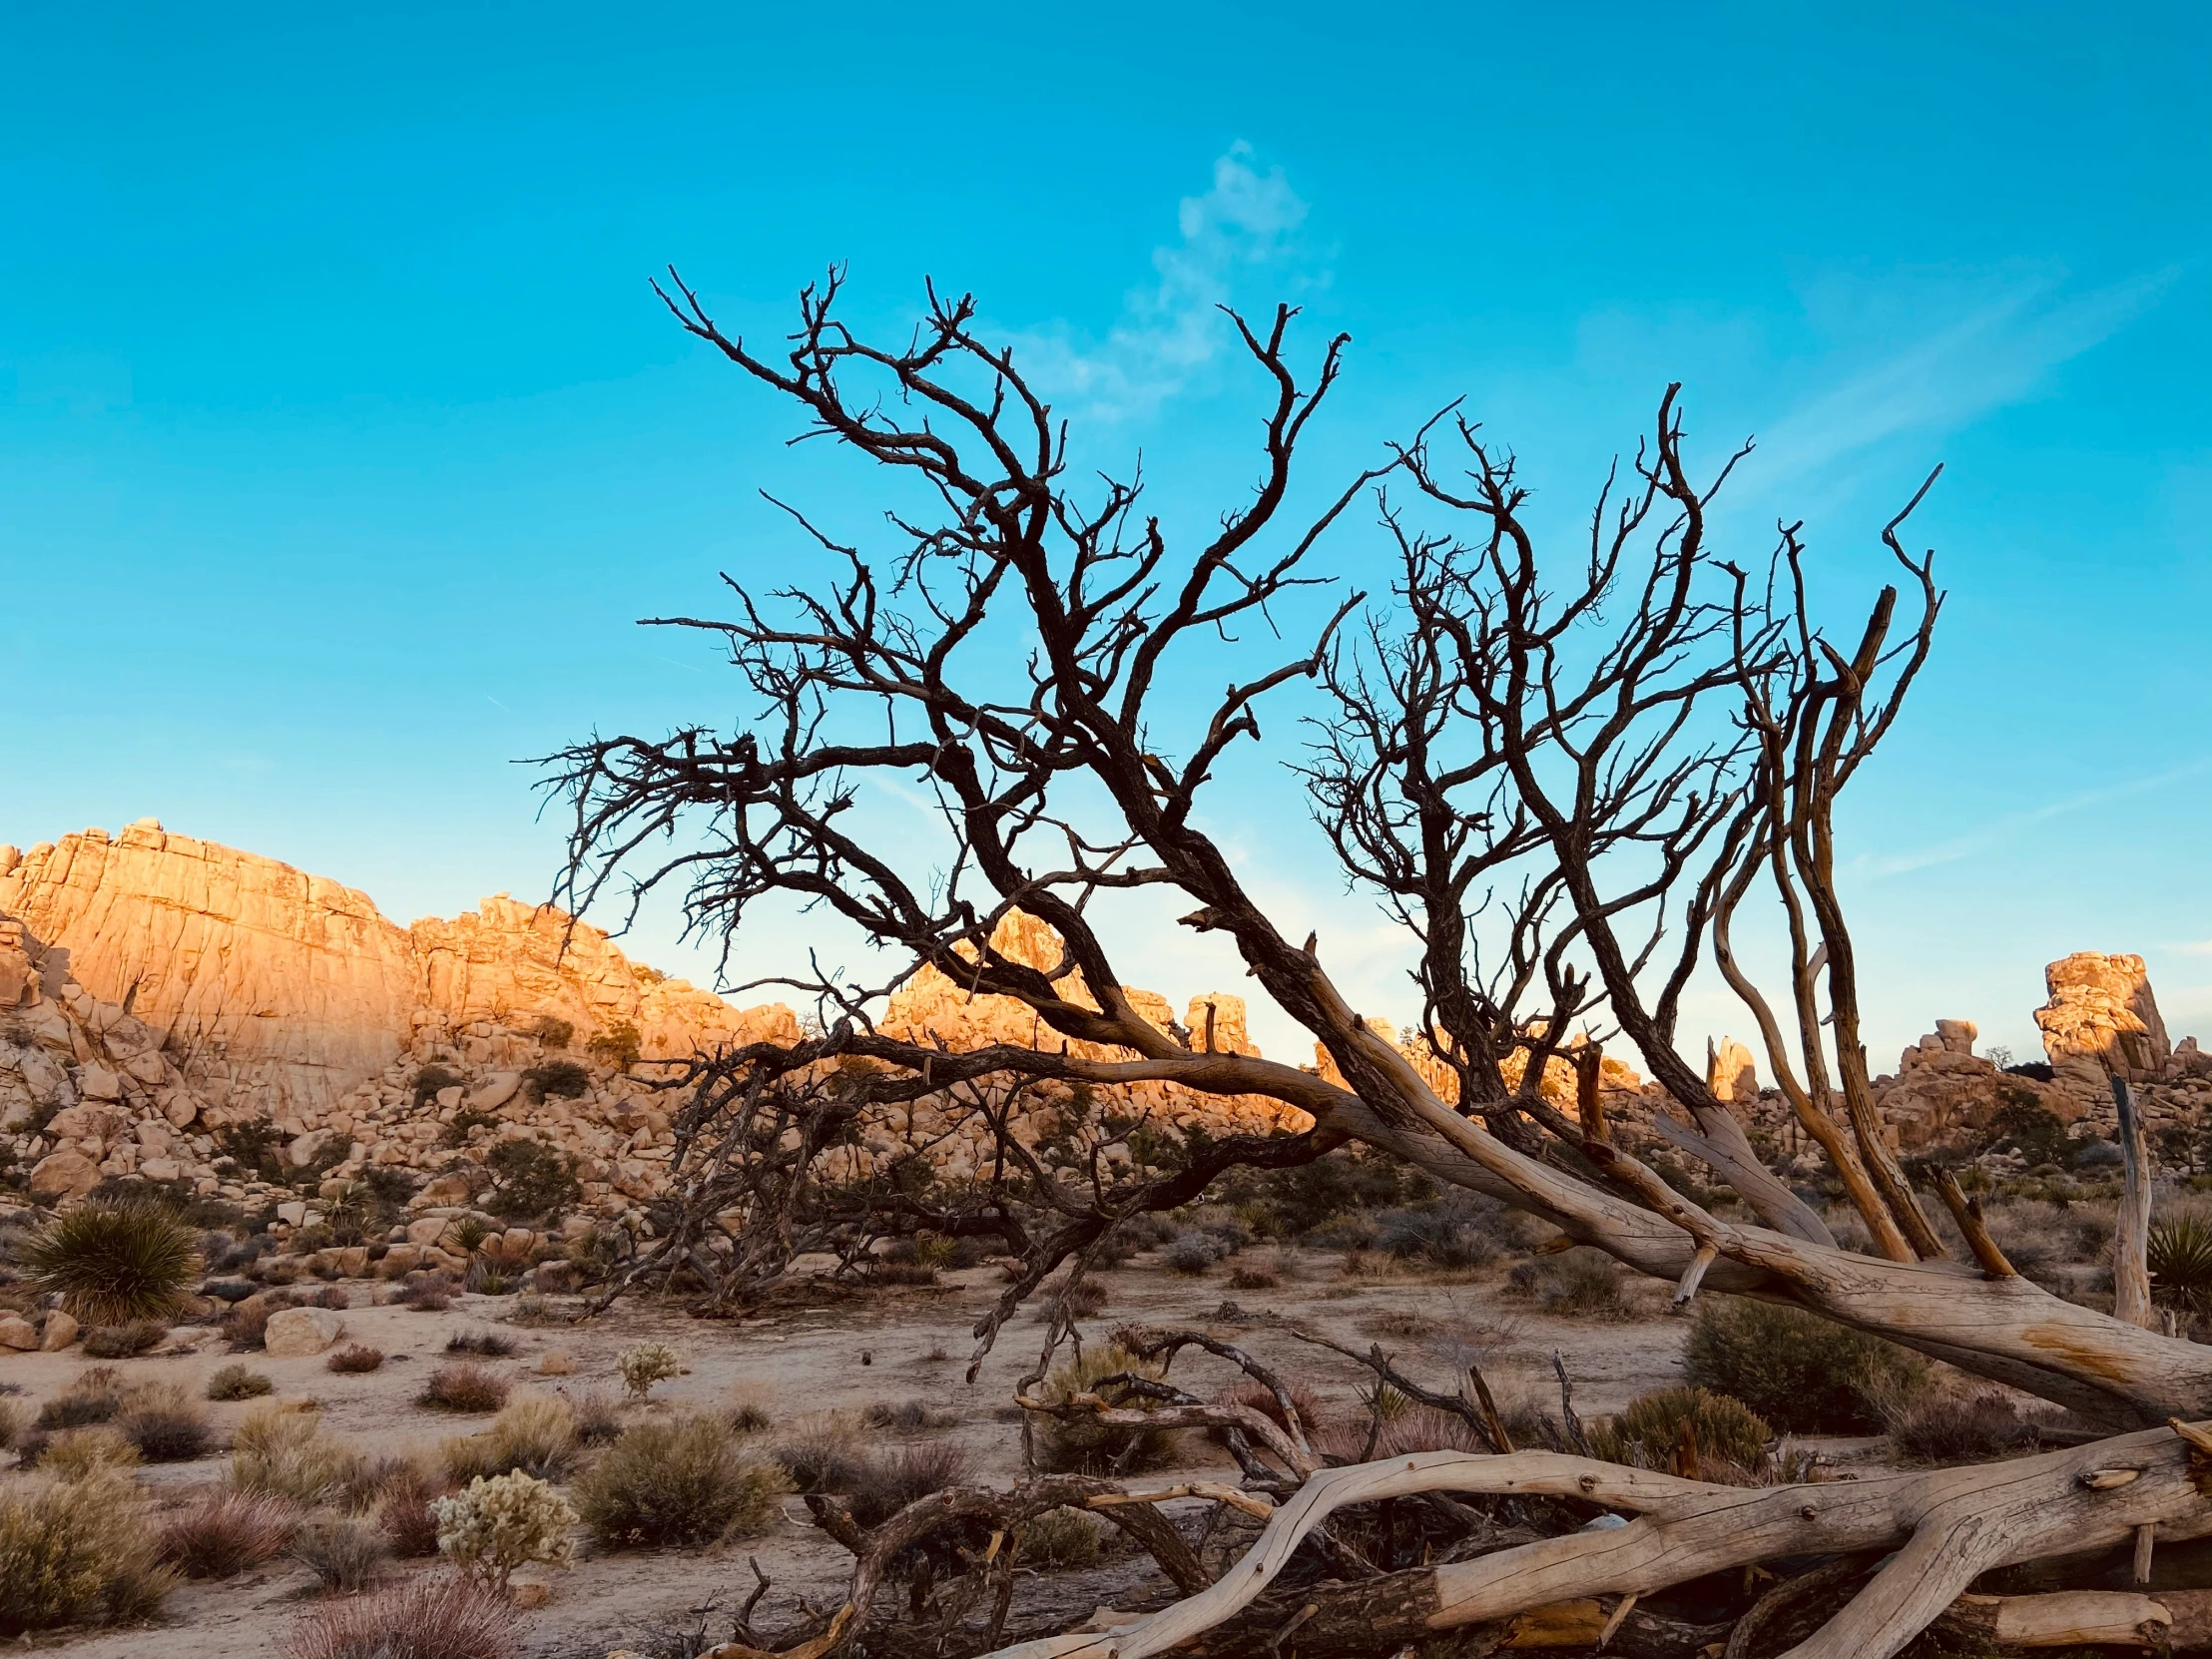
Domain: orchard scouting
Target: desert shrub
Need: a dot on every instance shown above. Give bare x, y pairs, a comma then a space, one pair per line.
823, 1457
559, 1079
403, 1508
1060, 1538
553, 1031
1191, 1253
1406, 1429
1581, 1280
238, 1382
487, 1277
428, 1293
1293, 1203
646, 1365
1649, 1433
464, 1387
76, 1552
335, 1296
535, 1435
443, 1616
1258, 1397
1255, 1278
1084, 1446
907, 1416
465, 1123
1083, 1300
2180, 1261
14, 1424
465, 1235
1962, 1428
504, 1522
355, 1357
616, 1046
1448, 1233
165, 1425
678, 1483
346, 1553
286, 1452
80, 1453
2026, 1126
430, 1080
597, 1417
246, 1324
227, 1533
490, 1345
1802, 1373
124, 1342
748, 1411
95, 1394
887, 1483
113, 1263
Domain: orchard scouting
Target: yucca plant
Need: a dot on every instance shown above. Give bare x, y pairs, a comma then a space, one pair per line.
2180, 1261
114, 1263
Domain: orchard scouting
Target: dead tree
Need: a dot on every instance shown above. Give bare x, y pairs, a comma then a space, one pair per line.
1565, 782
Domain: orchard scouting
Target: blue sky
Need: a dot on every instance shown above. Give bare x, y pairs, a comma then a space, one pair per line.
340, 438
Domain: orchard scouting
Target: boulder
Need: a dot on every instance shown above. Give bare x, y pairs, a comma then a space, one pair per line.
495, 1091
18, 1334
297, 1332
65, 1175
60, 1331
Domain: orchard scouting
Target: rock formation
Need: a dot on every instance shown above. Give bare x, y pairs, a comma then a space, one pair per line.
172, 1009
2101, 1018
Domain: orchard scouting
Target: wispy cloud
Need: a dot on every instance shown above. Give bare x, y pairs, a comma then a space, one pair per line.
1170, 328
2000, 830
1996, 349
2192, 948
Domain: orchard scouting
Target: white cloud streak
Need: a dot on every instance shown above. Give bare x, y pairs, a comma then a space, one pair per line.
2001, 829
1994, 354
1170, 327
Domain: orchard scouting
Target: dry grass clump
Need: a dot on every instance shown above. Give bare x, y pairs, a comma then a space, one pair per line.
905, 1417
1080, 1444
1663, 1430
285, 1451
228, 1532
822, 1455
1060, 1539
885, 1484
95, 1396
79, 1454
1258, 1397
77, 1552
465, 1389
355, 1357
1579, 1282
1802, 1373
1083, 1300
1962, 1428
402, 1507
748, 1411
124, 1342
446, 1616
238, 1382
489, 1345
348, 1554
246, 1326
535, 1433
113, 1263
165, 1425
427, 1293
596, 1416
681, 1483
1255, 1278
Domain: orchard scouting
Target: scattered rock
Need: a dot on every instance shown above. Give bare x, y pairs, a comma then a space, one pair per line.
18, 1333
302, 1330
61, 1330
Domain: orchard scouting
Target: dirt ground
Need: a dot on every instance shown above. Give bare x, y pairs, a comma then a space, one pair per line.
875, 1347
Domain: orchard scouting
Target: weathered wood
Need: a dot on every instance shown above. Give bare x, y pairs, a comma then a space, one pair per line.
1947, 1527
2065, 1618
2131, 1230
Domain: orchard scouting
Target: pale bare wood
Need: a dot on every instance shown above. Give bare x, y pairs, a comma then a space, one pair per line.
1951, 1524
2131, 1230
2146, 1539
1966, 1211
2066, 1618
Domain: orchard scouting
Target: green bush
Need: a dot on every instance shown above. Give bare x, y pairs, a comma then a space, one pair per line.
237, 1383
1802, 1373
76, 1552
530, 1180
1581, 1280
1080, 1444
678, 1483
114, 1263
557, 1079
1649, 1433
618, 1045
2180, 1262
430, 1080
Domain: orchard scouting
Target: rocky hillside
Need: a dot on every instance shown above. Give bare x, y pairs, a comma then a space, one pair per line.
179, 1011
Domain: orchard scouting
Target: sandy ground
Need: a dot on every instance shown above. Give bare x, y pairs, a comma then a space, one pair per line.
886, 1345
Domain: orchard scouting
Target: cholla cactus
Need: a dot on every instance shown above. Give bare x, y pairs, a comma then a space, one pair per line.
646, 1365
505, 1523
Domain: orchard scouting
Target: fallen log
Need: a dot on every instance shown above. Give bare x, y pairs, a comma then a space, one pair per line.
1947, 1527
